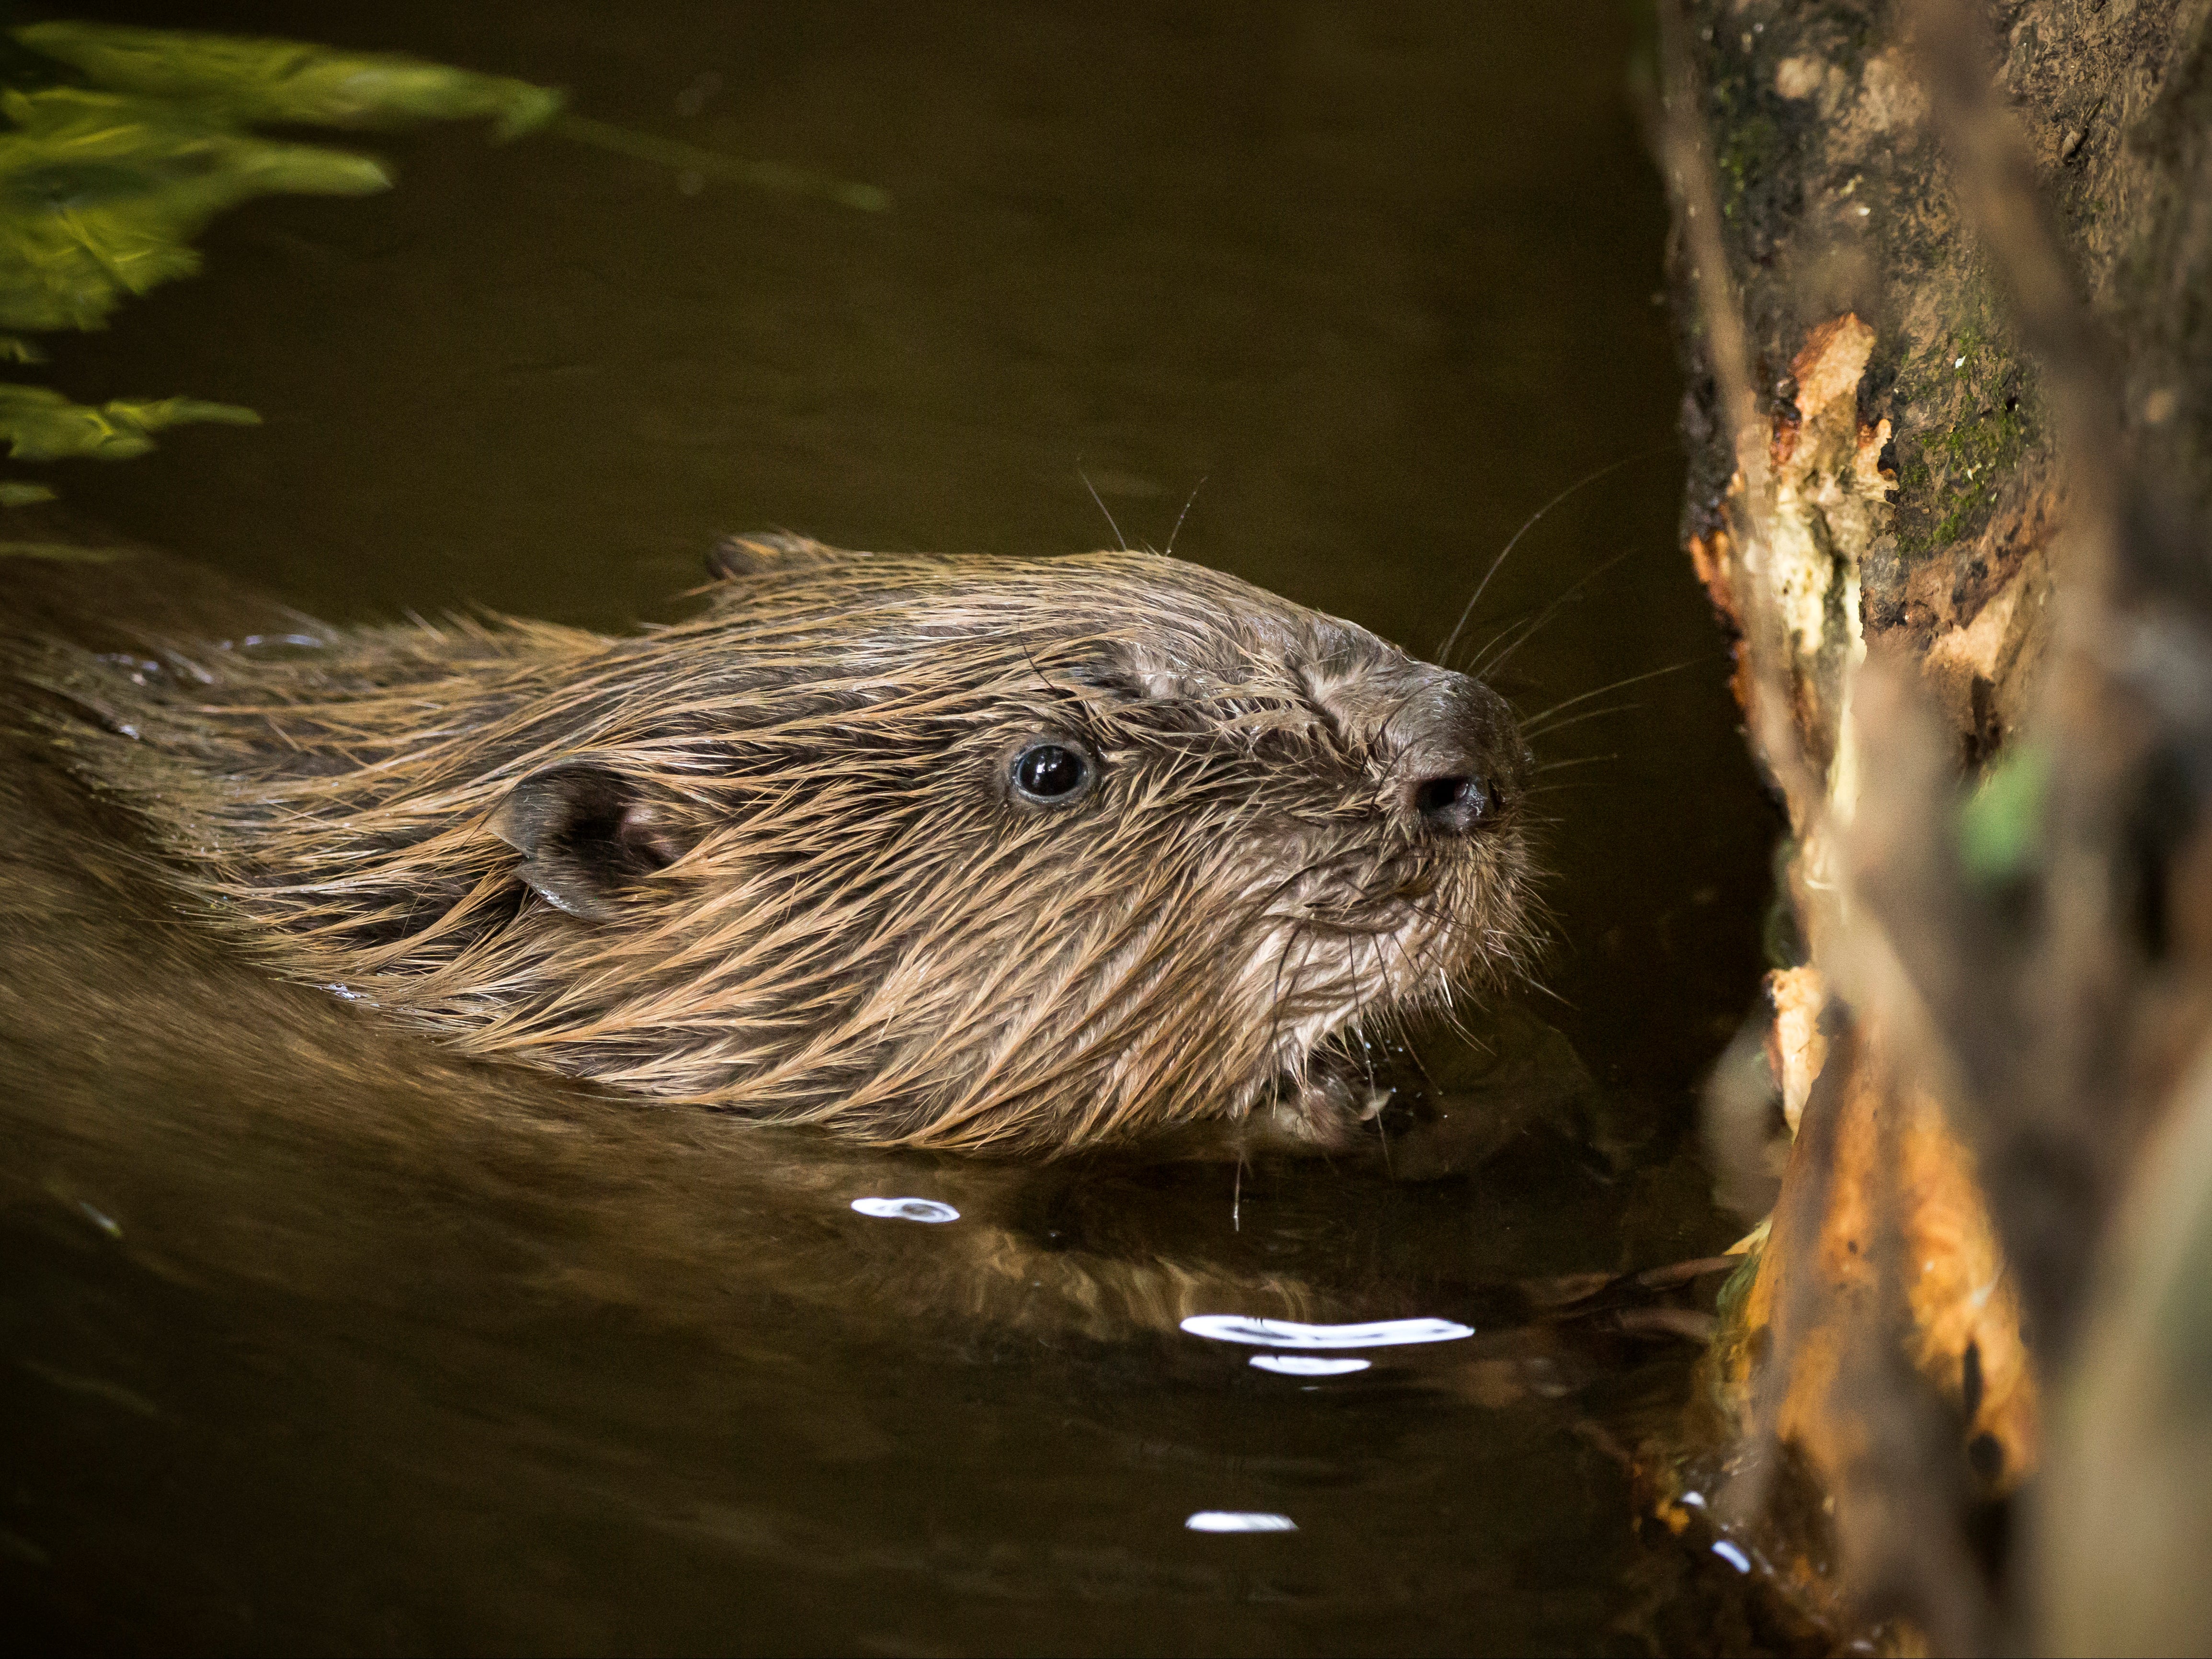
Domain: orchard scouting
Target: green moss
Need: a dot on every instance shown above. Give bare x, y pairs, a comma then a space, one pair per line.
1743, 160
1976, 419
1750, 136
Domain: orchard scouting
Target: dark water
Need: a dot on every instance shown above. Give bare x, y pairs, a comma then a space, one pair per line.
1375, 283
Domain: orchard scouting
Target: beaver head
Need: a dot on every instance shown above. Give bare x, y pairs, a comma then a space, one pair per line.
976, 853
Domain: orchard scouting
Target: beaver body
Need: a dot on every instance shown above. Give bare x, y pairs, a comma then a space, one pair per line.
977, 853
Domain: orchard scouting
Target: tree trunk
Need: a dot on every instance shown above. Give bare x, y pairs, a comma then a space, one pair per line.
1944, 274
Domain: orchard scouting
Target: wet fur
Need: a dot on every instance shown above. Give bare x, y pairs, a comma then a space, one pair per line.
826, 904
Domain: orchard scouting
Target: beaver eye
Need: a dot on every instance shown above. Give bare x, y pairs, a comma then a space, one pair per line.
1050, 773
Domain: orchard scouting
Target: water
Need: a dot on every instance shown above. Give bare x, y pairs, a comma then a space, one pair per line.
321, 1342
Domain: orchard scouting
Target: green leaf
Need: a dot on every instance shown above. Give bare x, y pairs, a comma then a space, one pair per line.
101, 197
104, 188
59, 552
682, 158
243, 81
2000, 823
39, 424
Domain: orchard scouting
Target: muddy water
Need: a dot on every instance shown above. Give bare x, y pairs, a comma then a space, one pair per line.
318, 1341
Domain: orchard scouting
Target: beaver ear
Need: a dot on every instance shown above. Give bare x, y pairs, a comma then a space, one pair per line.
764, 552
586, 834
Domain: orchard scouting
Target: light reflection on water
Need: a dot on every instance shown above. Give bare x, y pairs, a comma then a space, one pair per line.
1293, 1334
443, 1359
906, 1209
1238, 1521
1298, 1364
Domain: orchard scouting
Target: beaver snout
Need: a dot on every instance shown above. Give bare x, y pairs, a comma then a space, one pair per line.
1455, 803
1461, 767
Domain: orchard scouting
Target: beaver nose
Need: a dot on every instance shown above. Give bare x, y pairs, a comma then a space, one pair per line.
1454, 803
1459, 764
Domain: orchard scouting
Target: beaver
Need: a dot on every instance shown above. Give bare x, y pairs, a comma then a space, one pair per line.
982, 854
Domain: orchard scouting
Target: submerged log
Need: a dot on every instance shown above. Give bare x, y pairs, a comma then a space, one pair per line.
1939, 268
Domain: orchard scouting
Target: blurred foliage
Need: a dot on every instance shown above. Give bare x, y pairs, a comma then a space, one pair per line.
42, 425
683, 158
120, 144
236, 83
2000, 823
101, 195
59, 552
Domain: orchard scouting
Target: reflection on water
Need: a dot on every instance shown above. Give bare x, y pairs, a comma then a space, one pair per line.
906, 1209
1295, 1334
1299, 1365
319, 1338
1238, 1521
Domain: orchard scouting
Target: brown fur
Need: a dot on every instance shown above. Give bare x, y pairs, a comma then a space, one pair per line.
797, 880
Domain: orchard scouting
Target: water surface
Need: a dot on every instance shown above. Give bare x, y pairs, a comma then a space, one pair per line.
1374, 283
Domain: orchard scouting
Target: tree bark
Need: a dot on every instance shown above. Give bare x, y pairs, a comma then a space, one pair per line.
1943, 270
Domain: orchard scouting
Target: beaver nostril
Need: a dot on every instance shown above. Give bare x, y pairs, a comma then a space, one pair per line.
1454, 804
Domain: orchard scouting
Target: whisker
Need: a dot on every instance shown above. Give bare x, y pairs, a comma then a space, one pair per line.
1185, 514
1527, 525
1530, 734
1576, 760
1633, 679
1543, 615
1110, 524
1538, 985
1504, 627
1366, 1049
